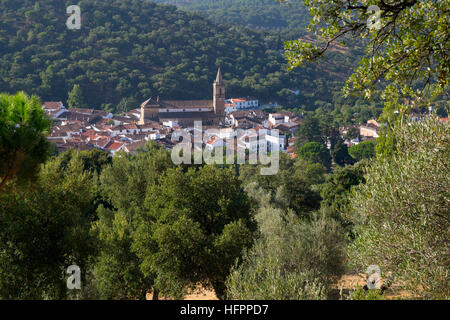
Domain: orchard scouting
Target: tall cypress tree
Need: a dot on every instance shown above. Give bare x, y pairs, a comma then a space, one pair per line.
75, 99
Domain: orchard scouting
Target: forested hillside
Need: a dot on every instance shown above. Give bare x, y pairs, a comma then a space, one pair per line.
256, 14
318, 87
133, 48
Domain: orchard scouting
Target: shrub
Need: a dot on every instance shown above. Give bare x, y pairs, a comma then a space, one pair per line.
401, 212
363, 150
293, 259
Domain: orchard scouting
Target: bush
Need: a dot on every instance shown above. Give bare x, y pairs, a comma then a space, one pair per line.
363, 150
401, 213
361, 294
315, 152
293, 259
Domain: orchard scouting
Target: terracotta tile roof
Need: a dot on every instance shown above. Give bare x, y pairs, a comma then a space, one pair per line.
180, 104
131, 126
113, 145
82, 110
102, 142
135, 145
291, 149
52, 104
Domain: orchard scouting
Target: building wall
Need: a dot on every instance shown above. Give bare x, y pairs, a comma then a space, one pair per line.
219, 98
368, 132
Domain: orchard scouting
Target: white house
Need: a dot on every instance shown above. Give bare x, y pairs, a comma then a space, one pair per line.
230, 107
120, 129
255, 140
170, 124
273, 140
114, 146
243, 103
154, 135
54, 108
276, 118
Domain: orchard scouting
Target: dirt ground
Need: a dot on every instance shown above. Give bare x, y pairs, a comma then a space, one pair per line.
342, 289
201, 294
198, 294
350, 282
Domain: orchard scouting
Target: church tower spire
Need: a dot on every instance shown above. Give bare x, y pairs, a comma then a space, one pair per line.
219, 95
219, 76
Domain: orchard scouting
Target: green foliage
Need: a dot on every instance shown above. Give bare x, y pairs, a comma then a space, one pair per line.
127, 104
292, 259
403, 64
124, 186
292, 187
335, 191
442, 109
117, 267
361, 294
45, 229
386, 143
401, 212
23, 147
166, 229
256, 14
315, 152
310, 130
352, 133
251, 173
93, 160
296, 189
363, 150
197, 225
340, 154
135, 48
75, 99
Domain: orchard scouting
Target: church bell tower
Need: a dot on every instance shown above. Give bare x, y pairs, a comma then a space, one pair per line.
219, 95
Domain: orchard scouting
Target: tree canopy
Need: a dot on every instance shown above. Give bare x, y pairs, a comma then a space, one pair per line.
401, 212
135, 49
75, 99
255, 14
23, 146
363, 150
315, 152
45, 229
197, 225
406, 50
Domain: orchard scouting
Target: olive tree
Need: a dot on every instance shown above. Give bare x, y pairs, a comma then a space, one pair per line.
293, 258
401, 213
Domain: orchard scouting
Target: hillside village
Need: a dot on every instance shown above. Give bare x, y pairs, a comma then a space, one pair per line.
157, 120
85, 129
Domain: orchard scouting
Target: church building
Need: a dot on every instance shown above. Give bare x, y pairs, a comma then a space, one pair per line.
185, 112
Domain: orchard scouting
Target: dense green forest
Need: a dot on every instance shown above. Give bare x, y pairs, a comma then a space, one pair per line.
136, 49
255, 14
